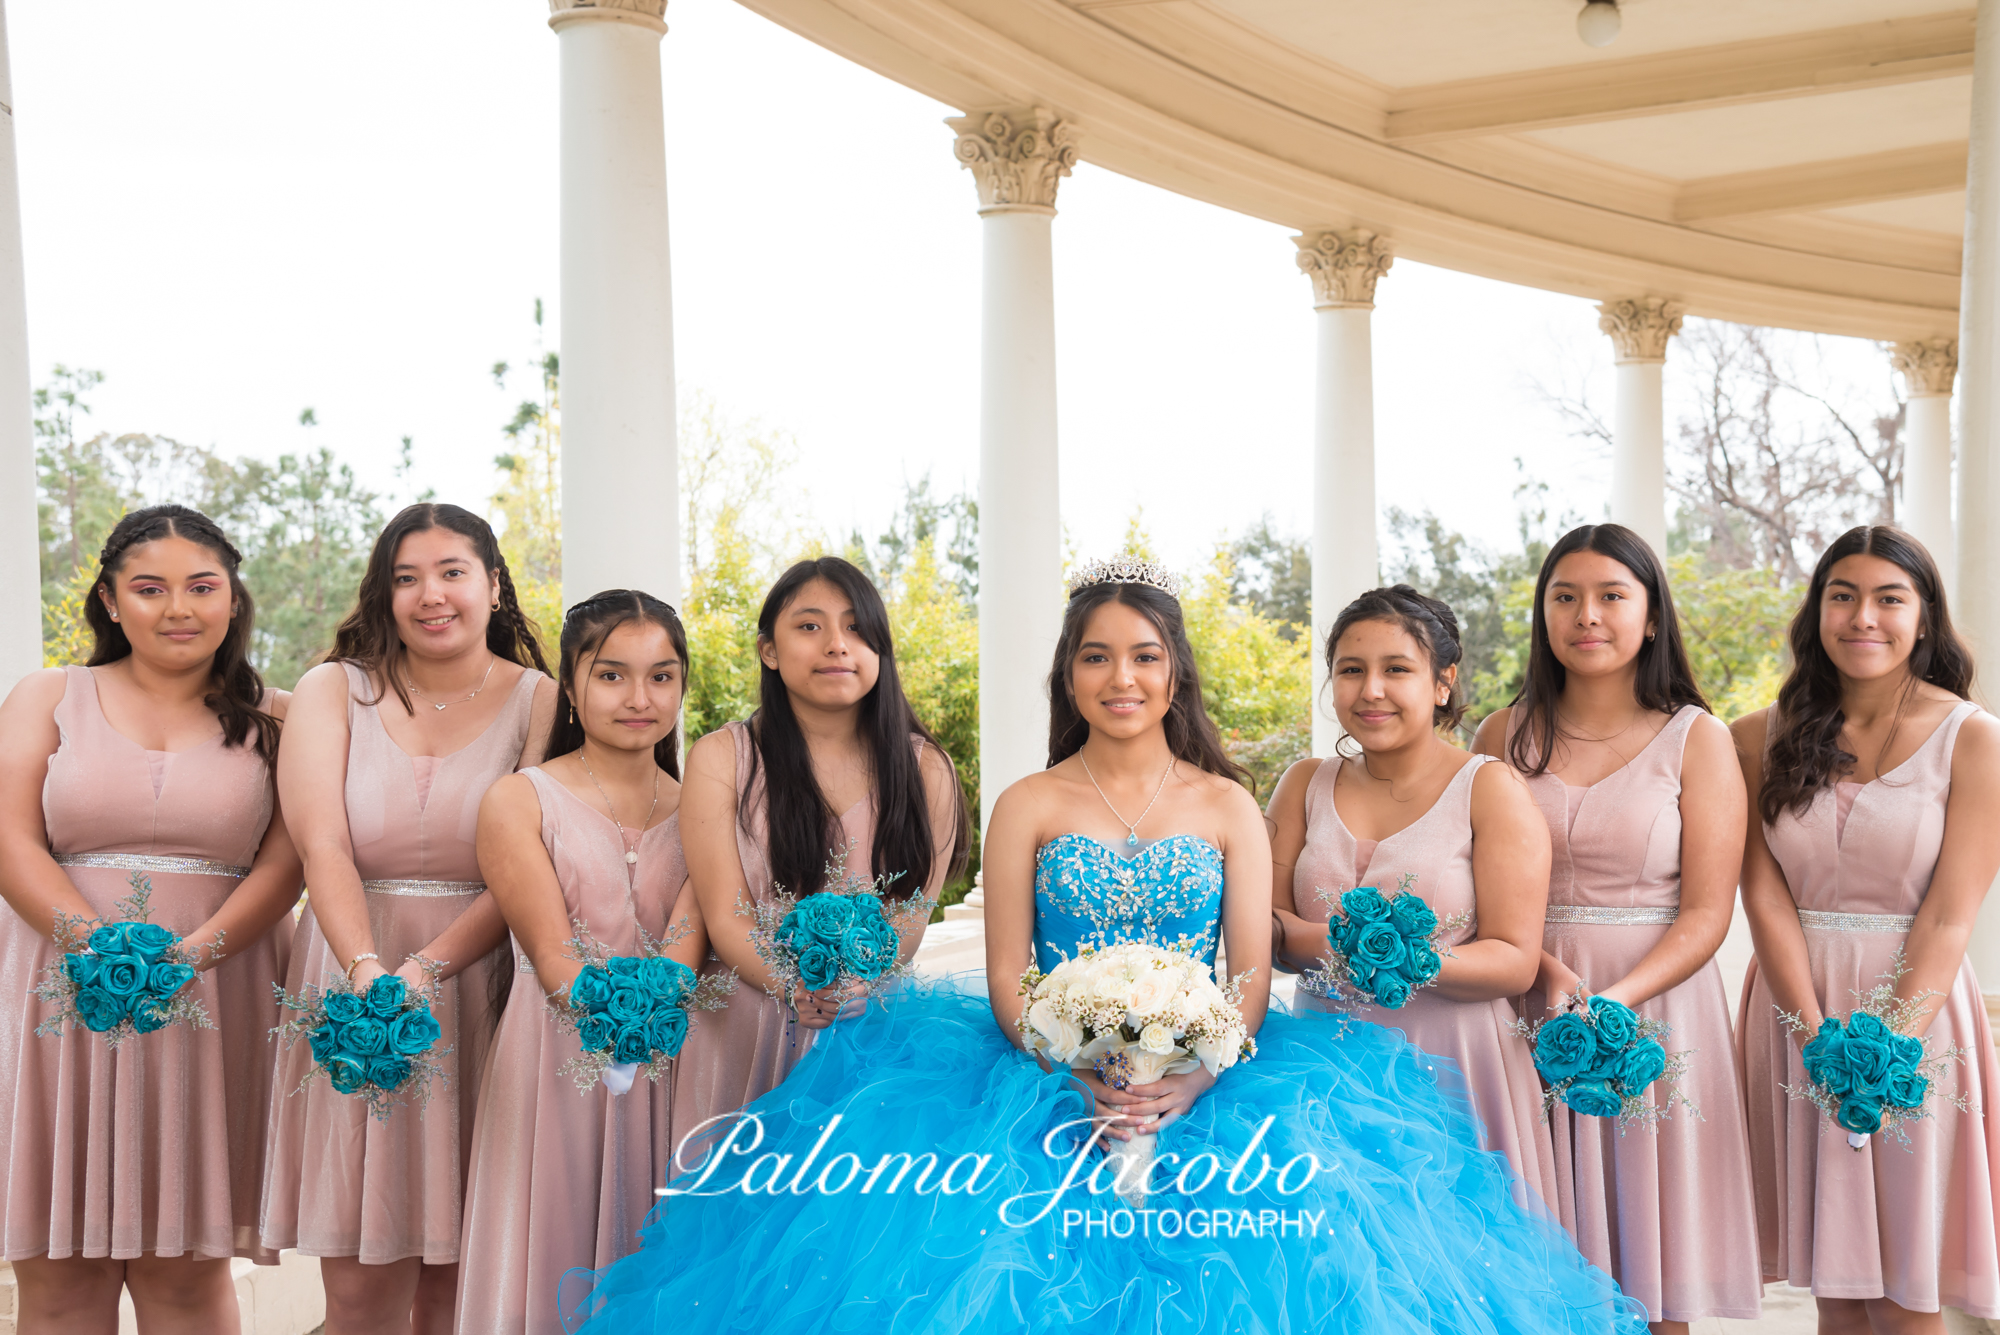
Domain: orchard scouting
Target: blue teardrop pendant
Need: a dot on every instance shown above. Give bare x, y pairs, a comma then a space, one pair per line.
1132, 839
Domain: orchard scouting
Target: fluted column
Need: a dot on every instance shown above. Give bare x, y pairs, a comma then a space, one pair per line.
1344, 267
1639, 329
20, 562
1928, 367
1017, 158
620, 474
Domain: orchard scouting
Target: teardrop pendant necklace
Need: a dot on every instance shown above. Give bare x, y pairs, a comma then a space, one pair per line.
631, 848
1131, 826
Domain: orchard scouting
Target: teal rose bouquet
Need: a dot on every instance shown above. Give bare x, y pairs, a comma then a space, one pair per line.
838, 937
122, 977
1872, 1073
372, 1042
1600, 1061
631, 1013
1381, 948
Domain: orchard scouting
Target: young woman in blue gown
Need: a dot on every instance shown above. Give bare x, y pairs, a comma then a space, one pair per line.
1138, 831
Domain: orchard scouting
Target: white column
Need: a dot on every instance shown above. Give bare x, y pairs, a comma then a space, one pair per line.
621, 508
1977, 603
1639, 329
1928, 367
1017, 159
1344, 268
20, 561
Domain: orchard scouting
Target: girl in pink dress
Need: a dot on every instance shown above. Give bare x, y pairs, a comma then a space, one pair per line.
140, 1168
1645, 809
432, 692
1877, 782
832, 758
1403, 802
561, 1177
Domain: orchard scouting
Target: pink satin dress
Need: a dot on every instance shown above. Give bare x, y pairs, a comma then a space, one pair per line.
563, 1177
1920, 1226
1477, 1036
735, 1055
338, 1182
157, 1148
1668, 1212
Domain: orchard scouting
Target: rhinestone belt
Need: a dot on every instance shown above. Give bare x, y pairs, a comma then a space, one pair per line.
1899, 923
148, 862
429, 889
1611, 917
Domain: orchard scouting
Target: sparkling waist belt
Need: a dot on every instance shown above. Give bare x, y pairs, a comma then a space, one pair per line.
1899, 923
525, 965
1633, 917
148, 862
424, 888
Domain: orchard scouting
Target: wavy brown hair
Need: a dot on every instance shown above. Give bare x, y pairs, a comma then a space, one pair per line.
1803, 753
1191, 734
237, 697
368, 638
1666, 679
585, 628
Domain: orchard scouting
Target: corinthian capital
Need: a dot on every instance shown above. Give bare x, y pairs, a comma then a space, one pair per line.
1640, 326
1928, 365
1017, 157
1344, 266
643, 13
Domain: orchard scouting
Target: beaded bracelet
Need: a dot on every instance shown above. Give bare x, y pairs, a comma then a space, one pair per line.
369, 955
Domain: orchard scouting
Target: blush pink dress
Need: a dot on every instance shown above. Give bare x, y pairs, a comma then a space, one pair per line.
1477, 1036
157, 1148
338, 1182
562, 1177
1919, 1226
1667, 1212
738, 1054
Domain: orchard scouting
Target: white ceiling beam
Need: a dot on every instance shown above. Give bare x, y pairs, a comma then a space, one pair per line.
1868, 55
1928, 170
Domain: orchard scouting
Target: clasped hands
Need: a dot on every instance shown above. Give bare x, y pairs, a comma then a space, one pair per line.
1142, 1110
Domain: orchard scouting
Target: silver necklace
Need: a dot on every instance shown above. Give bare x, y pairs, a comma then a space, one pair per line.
1131, 826
448, 703
631, 851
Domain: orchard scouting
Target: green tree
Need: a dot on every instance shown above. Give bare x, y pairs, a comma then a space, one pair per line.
528, 501
1256, 680
1273, 575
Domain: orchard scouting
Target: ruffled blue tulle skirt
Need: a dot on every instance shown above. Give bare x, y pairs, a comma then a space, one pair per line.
1406, 1225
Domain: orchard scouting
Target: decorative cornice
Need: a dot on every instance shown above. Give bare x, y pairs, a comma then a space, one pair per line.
641, 13
1640, 326
1017, 157
1344, 267
1928, 365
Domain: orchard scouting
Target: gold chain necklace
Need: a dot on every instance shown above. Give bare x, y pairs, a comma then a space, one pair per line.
631, 849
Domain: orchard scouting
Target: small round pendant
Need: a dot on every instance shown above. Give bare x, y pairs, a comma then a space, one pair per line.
631, 858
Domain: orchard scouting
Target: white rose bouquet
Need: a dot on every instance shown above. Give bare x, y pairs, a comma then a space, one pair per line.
1135, 1013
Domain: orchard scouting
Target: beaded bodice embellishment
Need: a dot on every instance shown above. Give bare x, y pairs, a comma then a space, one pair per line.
1088, 895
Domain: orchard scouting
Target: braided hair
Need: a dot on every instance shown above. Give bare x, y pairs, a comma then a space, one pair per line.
585, 628
238, 695
368, 638
1428, 620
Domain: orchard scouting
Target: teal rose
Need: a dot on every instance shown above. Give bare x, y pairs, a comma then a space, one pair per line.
167, 977
1909, 1052
148, 940
869, 946
819, 966
1640, 1065
1908, 1088
99, 1010
386, 996
623, 966
413, 1031
1360, 974
147, 1014
347, 1074
665, 978
1365, 904
388, 1072
1871, 1056
324, 1043
82, 969
1617, 1024
1860, 1113
1824, 1057
596, 1032
341, 1007
1380, 946
1593, 1098
1412, 916
1423, 965
1564, 1048
666, 1030
629, 1003
109, 939
591, 989
365, 1037
630, 1045
1391, 989
122, 975
820, 918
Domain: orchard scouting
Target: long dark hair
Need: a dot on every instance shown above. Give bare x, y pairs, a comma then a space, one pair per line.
798, 818
1666, 680
585, 628
368, 637
1804, 753
238, 695
1429, 621
1191, 734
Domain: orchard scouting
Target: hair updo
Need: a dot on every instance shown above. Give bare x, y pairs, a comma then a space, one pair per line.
1429, 621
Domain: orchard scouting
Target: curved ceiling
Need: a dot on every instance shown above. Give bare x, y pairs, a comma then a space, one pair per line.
1786, 162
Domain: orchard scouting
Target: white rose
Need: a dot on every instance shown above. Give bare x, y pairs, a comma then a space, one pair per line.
1212, 1053
1063, 1035
1157, 1039
1151, 993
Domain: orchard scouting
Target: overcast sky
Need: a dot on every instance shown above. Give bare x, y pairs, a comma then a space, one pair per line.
239, 209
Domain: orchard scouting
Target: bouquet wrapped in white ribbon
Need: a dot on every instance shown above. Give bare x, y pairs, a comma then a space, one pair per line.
1134, 1013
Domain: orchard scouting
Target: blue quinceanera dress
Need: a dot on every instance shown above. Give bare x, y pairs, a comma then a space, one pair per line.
1406, 1226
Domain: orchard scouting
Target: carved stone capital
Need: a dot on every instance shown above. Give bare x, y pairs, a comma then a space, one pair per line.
1017, 157
641, 13
1928, 365
1344, 266
1640, 326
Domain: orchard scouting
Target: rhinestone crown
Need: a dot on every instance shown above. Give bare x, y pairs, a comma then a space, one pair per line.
1125, 570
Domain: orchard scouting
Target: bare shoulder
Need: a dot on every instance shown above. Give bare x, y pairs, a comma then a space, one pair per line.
934, 763
510, 800
1491, 739
1498, 791
1977, 750
1290, 794
38, 693
323, 685
713, 756
1751, 730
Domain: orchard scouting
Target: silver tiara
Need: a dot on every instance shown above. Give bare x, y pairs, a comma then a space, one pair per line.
1125, 570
